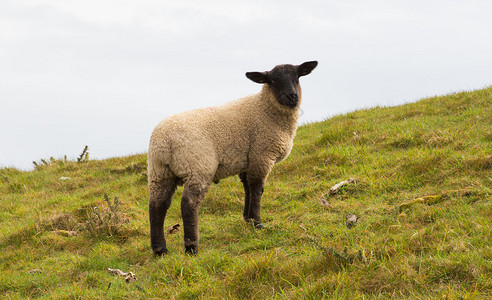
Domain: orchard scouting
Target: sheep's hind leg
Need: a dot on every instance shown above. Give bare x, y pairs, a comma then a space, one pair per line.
193, 195
161, 195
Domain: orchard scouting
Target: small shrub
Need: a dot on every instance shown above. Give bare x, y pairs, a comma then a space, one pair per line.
105, 220
84, 156
52, 161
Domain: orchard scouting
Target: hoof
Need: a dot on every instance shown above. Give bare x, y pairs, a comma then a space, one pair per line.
258, 225
160, 252
191, 250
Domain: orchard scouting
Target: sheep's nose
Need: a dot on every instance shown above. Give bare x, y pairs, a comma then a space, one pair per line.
293, 97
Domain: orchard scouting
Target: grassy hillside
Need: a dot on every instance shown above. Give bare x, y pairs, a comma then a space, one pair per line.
423, 194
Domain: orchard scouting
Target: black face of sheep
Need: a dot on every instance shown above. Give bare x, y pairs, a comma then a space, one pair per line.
284, 81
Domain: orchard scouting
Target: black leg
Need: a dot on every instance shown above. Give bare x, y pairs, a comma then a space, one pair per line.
256, 191
193, 194
244, 180
161, 194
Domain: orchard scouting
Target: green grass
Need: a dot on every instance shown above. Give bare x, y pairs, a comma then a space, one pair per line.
435, 247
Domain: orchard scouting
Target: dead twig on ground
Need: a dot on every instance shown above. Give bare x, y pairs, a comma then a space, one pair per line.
129, 277
334, 189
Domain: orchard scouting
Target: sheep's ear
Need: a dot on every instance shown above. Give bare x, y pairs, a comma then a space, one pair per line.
258, 77
306, 68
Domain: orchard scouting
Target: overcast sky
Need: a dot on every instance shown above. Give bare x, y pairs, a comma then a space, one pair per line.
104, 73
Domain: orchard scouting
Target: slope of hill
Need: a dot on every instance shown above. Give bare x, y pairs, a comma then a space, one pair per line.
422, 195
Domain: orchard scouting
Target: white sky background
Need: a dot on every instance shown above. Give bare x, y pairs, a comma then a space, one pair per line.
104, 73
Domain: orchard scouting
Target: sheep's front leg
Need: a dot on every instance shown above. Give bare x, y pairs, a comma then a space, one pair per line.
193, 195
244, 180
256, 177
256, 188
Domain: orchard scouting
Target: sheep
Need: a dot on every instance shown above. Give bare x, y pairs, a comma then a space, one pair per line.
245, 137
